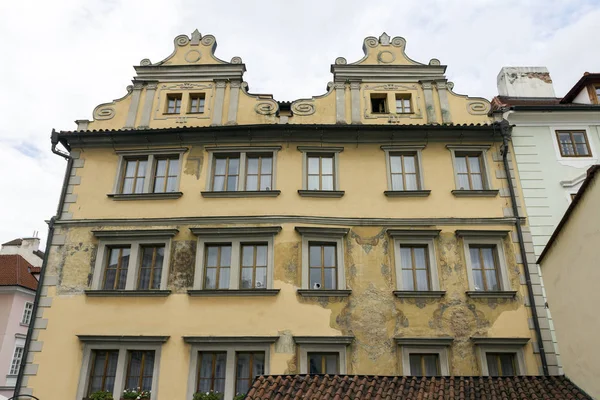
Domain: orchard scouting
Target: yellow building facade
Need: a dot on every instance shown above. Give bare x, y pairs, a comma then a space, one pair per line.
207, 234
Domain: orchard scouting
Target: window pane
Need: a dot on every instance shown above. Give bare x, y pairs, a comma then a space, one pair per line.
313, 182
415, 365
395, 164
258, 364
234, 164
128, 185
247, 278
405, 257
420, 258
252, 182
478, 279
219, 184
397, 183
225, 256
488, 257
315, 364
407, 279
330, 278
409, 164
477, 181
266, 165
329, 256
407, 105
422, 283
159, 185
492, 282
171, 184
431, 364
247, 256
398, 105
581, 149
220, 166
130, 169
411, 182
261, 255
211, 258
463, 182
232, 182
161, 168
139, 185
327, 182
142, 168
261, 278
507, 364
224, 278
474, 164
461, 165
315, 278
579, 137
211, 278
327, 165
492, 363
252, 166
314, 255
313, 165
475, 260
331, 364
265, 182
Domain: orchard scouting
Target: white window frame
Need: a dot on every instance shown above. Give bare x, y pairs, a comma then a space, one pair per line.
503, 270
19, 344
340, 349
441, 351
390, 150
323, 235
121, 372
433, 269
517, 350
487, 181
230, 365
152, 156
27, 313
236, 266
334, 151
135, 243
243, 151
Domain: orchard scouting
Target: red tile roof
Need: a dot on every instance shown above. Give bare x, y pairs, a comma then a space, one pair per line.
16, 271
345, 387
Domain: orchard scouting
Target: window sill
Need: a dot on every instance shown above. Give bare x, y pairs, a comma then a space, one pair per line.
407, 193
324, 293
242, 193
492, 294
407, 294
475, 193
22, 324
321, 193
145, 196
233, 292
127, 293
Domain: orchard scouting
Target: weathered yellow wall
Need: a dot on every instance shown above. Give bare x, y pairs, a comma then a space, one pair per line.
571, 276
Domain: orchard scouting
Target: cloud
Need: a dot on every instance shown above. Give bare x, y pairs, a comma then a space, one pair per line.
65, 57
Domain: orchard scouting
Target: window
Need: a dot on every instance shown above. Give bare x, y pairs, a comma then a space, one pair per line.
320, 172
323, 261
403, 104
196, 103
234, 259
211, 371
250, 172
323, 265
115, 272
173, 104
27, 312
573, 144
501, 364
424, 364
135, 263
103, 371
379, 103
248, 366
484, 263
155, 172
323, 363
16, 361
469, 171
415, 267
140, 367
403, 171
597, 91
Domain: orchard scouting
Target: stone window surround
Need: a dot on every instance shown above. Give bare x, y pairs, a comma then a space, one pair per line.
241, 187
417, 236
123, 344
576, 162
327, 235
147, 192
416, 149
136, 239
487, 181
11, 380
236, 236
333, 150
322, 344
230, 345
435, 345
476, 237
486, 345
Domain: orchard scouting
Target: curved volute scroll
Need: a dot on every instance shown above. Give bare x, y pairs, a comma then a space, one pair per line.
381, 51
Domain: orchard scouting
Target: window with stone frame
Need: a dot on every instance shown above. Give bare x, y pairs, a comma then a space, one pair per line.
424, 364
197, 102
249, 365
379, 103
211, 371
403, 104
470, 171
323, 363
15, 363
573, 143
173, 105
501, 364
242, 171
485, 266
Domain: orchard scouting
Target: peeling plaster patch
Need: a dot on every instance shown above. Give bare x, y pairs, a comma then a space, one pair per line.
292, 366
285, 343
195, 159
290, 253
367, 243
78, 259
183, 260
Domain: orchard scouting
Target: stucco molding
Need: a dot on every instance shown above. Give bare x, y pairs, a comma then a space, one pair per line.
323, 340
127, 293
414, 233
116, 339
236, 231
413, 294
491, 294
233, 292
320, 149
407, 193
145, 196
241, 193
322, 193
145, 152
502, 341
320, 231
227, 149
135, 233
424, 341
574, 182
229, 339
324, 292
476, 233
475, 193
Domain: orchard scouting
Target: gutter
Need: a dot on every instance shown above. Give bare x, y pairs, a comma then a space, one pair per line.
38, 292
505, 129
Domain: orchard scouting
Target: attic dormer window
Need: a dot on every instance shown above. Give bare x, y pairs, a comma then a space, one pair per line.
379, 103
173, 104
403, 105
597, 91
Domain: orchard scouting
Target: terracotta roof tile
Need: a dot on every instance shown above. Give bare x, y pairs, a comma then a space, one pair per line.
16, 271
362, 387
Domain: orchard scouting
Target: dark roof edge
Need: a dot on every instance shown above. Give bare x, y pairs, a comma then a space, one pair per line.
591, 172
586, 79
558, 107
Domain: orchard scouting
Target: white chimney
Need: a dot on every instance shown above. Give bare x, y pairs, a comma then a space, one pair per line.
525, 82
28, 248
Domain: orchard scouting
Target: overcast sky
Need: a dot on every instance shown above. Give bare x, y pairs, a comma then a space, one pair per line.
61, 58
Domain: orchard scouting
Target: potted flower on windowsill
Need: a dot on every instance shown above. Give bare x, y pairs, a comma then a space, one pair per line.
239, 396
135, 394
100, 395
210, 395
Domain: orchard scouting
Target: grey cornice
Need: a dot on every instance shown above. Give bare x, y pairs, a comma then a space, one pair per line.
514, 341
407, 193
414, 294
424, 341
127, 293
233, 292
229, 339
20, 335
323, 339
122, 339
411, 233
388, 73
145, 196
135, 233
189, 73
316, 149
475, 193
574, 181
467, 147
324, 293
322, 193
319, 231
476, 233
403, 147
152, 151
236, 231
240, 193
491, 294
288, 219
219, 149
